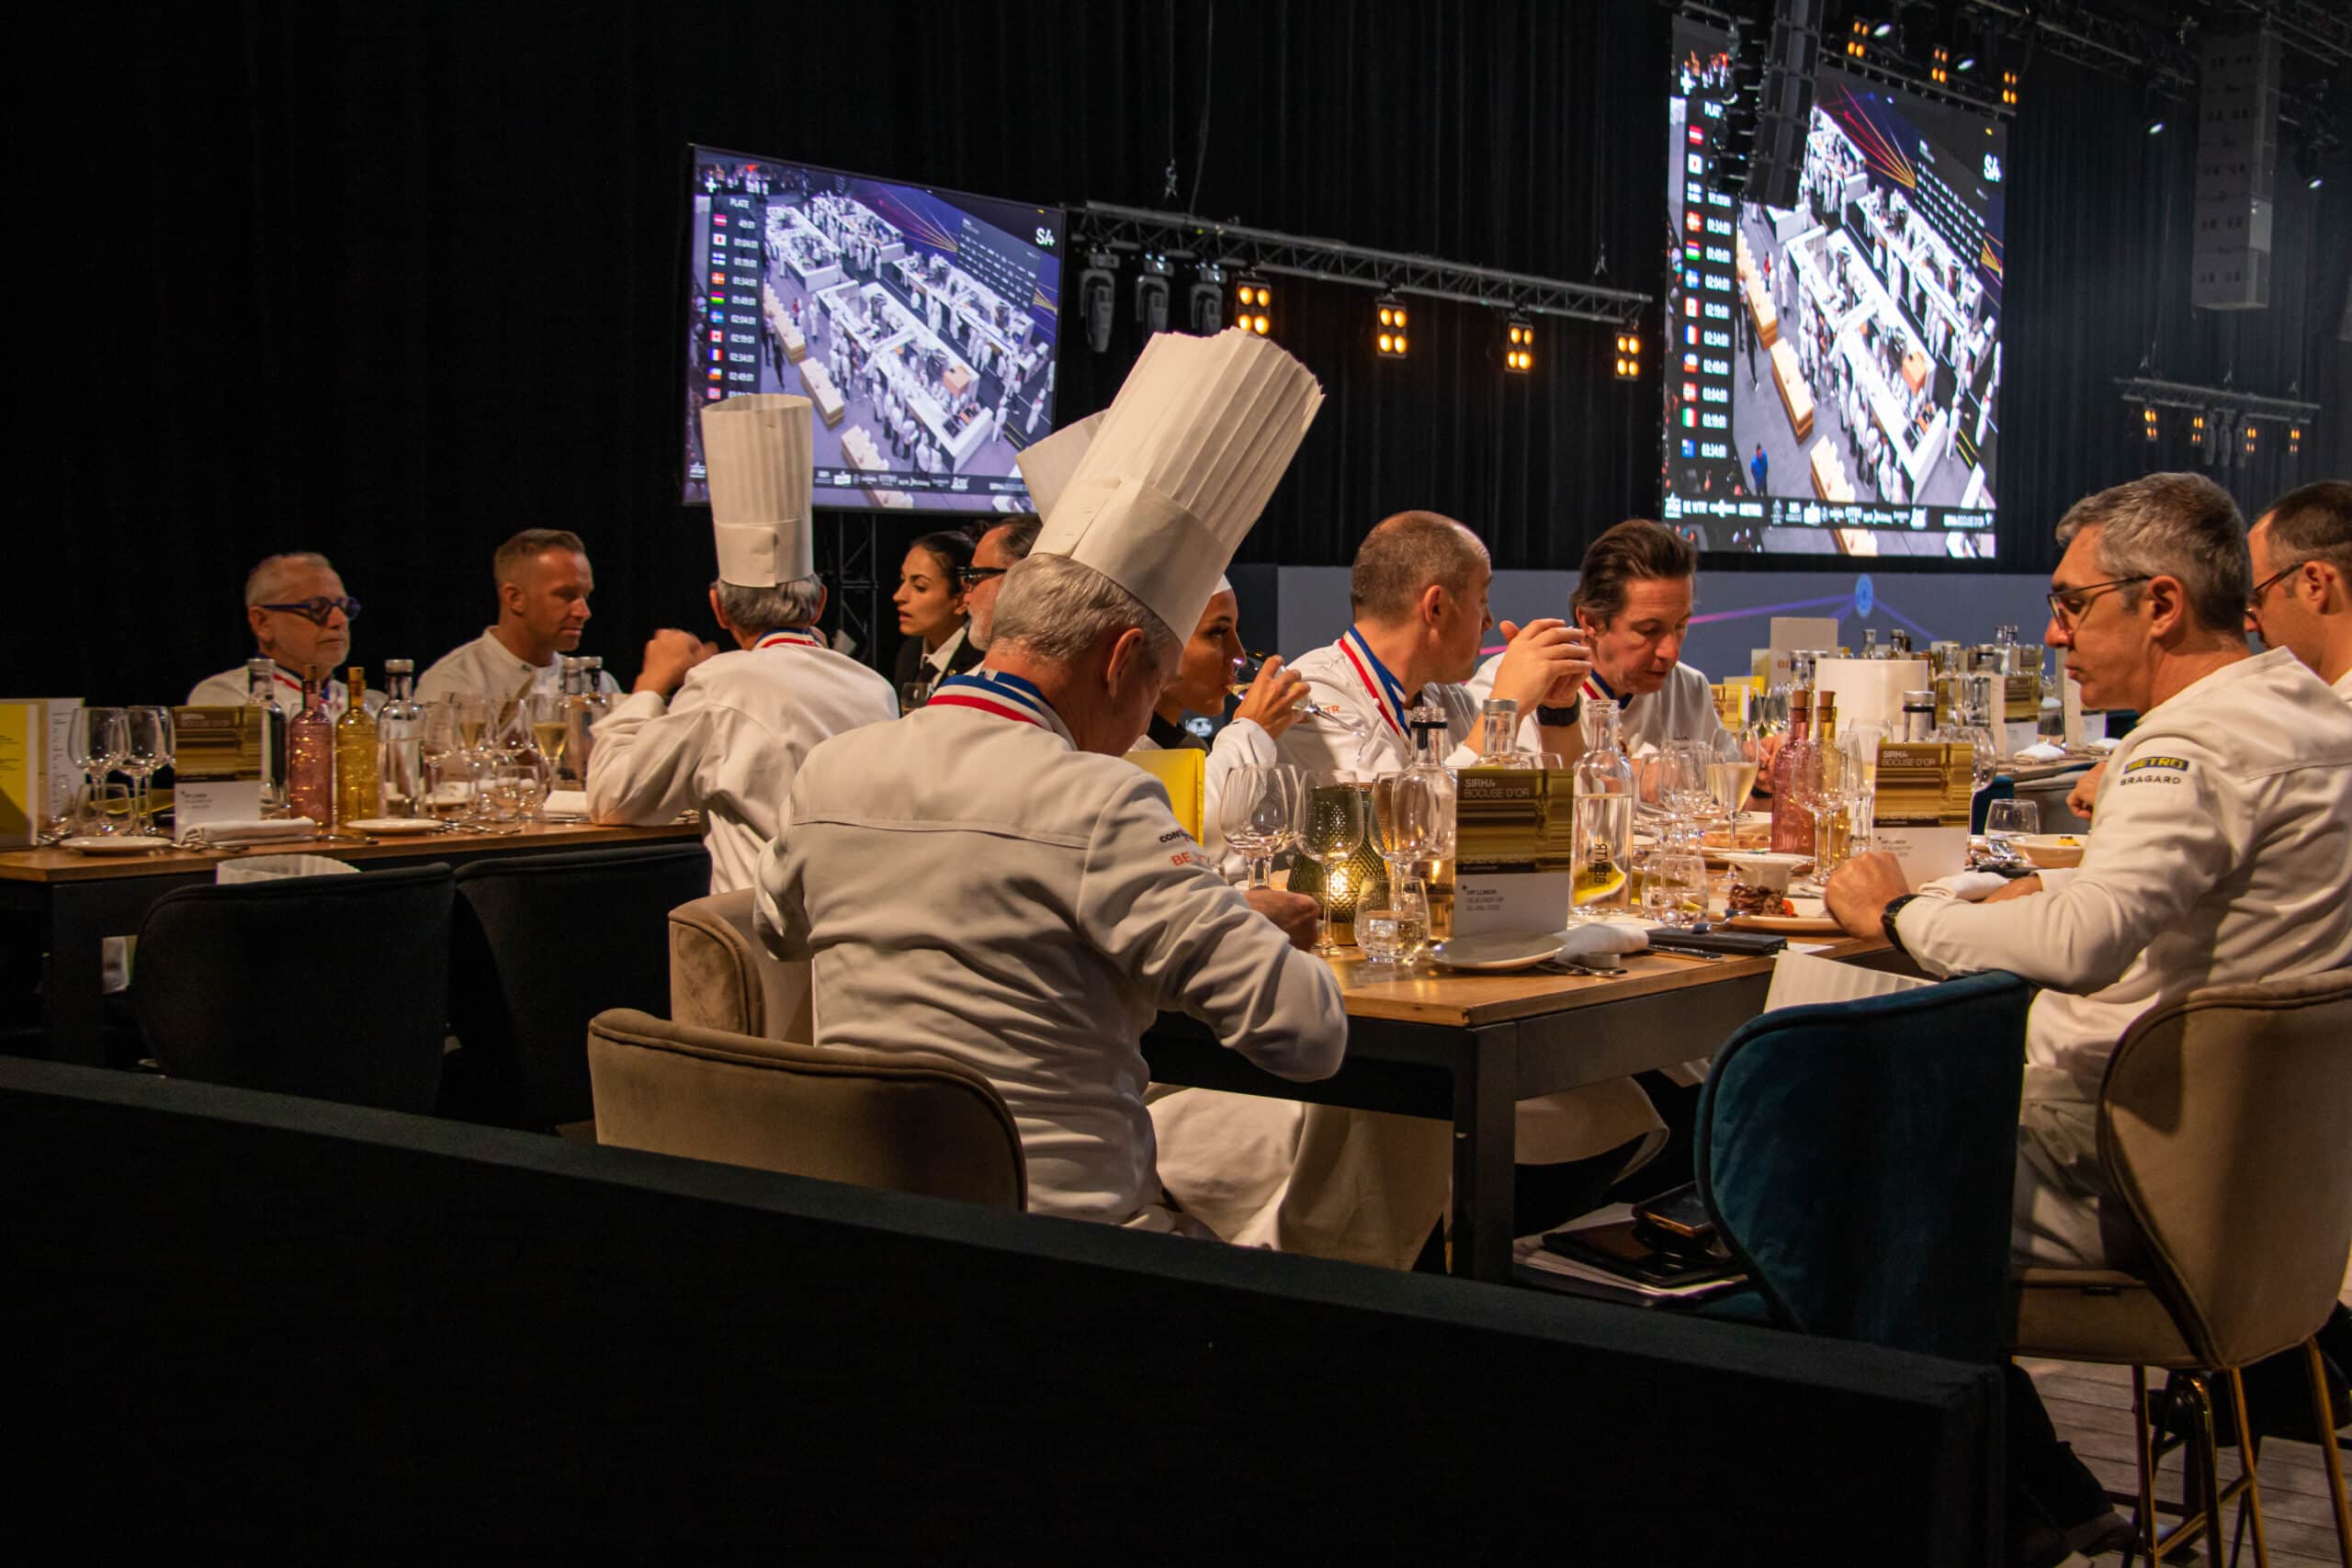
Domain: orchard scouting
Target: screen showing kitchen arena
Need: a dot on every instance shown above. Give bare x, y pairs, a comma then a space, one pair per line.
918, 323
1833, 372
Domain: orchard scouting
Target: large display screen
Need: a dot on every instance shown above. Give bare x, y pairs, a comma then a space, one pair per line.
1833, 372
919, 324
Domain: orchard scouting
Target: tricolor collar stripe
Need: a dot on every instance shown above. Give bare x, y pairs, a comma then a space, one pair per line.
986, 705
1594, 686
1386, 691
790, 637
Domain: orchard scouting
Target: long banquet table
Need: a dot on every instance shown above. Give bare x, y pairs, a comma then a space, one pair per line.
79, 900
1467, 1048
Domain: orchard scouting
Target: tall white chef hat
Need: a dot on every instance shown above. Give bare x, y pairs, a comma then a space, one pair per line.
759, 450
1045, 466
1184, 460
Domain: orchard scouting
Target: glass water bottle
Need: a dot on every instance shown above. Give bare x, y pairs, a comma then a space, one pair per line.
1604, 815
400, 741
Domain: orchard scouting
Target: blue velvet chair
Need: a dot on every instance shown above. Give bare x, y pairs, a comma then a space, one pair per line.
2003, 787
1858, 1158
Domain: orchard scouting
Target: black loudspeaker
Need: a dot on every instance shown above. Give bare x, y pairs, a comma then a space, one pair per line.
2237, 170
1776, 173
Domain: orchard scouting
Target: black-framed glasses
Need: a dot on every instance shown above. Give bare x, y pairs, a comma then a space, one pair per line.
2067, 604
973, 576
316, 610
2253, 600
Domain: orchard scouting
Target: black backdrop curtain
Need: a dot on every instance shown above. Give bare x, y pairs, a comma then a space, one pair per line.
393, 281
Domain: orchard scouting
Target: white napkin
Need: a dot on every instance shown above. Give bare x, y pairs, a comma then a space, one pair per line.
267, 868
1602, 939
2043, 751
567, 803
1966, 885
257, 832
2103, 744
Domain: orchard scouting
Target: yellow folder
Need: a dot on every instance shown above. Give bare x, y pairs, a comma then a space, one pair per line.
1184, 775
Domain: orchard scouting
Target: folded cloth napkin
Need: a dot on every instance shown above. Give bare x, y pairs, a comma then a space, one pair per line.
566, 803
1600, 938
1965, 885
2102, 744
256, 832
2043, 751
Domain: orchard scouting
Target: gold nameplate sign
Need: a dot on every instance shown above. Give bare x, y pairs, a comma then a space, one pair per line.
1925, 790
217, 765
1514, 819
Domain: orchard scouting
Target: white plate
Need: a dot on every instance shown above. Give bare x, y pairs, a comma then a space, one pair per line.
1812, 919
392, 826
1497, 951
117, 844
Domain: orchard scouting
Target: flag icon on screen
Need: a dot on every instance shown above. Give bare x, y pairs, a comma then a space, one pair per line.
714, 357
1691, 308
719, 219
1691, 388
718, 374
1690, 418
1690, 279
1690, 447
712, 393
1698, 139
1689, 335
1690, 221
1691, 365
715, 337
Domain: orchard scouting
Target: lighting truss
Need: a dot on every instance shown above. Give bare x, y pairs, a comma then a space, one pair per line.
2226, 404
1237, 247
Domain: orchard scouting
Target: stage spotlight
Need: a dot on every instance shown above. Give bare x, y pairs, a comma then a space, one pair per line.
1518, 347
2196, 430
2009, 89
2148, 420
1390, 335
1151, 292
2294, 440
1253, 303
1966, 61
1095, 285
2151, 113
1206, 302
2307, 167
1939, 66
1629, 356
2249, 438
1858, 40
1882, 29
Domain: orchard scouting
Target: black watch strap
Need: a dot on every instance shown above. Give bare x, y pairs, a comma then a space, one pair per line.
1547, 714
1886, 917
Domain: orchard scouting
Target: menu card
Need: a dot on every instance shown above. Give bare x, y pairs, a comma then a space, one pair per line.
37, 773
1925, 790
216, 761
1515, 852
1182, 774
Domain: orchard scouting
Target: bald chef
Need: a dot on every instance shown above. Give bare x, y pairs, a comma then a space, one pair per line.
724, 733
995, 884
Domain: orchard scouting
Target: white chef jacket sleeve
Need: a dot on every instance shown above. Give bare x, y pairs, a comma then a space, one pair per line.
2168, 831
643, 766
1242, 743
779, 911
1149, 899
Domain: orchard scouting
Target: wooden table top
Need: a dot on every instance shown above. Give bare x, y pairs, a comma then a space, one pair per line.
1429, 995
53, 865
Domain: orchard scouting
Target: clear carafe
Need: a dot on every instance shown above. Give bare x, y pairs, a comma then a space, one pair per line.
1604, 815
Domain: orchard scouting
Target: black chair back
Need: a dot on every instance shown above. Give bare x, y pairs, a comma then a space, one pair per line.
539, 944
337, 988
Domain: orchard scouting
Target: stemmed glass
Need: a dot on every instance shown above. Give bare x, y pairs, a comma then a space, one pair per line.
1408, 821
147, 751
449, 794
2004, 820
1330, 829
548, 728
1258, 814
1686, 788
98, 740
1813, 790
1733, 762
1859, 783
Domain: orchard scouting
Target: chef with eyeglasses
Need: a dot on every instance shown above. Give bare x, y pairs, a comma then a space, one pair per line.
301, 618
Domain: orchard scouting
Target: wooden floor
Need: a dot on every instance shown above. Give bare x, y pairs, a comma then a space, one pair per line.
2091, 1406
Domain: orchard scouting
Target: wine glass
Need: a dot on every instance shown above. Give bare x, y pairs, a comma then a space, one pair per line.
1254, 812
1405, 811
99, 739
1732, 764
1859, 742
450, 778
548, 727
1813, 789
147, 751
1330, 829
1686, 787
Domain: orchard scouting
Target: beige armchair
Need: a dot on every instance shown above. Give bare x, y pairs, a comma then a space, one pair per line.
720, 977
2223, 1124
910, 1122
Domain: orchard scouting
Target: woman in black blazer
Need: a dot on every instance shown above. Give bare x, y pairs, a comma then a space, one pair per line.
932, 616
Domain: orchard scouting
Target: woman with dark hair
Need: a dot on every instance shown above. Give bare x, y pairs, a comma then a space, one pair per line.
932, 615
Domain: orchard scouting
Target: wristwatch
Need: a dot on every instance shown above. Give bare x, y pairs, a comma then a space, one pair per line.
1886, 920
1545, 714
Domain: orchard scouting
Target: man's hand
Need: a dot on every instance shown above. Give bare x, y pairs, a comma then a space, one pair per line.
1860, 891
1294, 913
1546, 663
2083, 799
2022, 888
669, 655
1273, 698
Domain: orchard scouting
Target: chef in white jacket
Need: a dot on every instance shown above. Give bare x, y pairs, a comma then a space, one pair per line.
724, 733
989, 881
2218, 855
1632, 602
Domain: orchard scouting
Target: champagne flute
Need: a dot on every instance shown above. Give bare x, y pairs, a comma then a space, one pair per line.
99, 739
1860, 741
548, 727
1732, 765
147, 750
1330, 829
